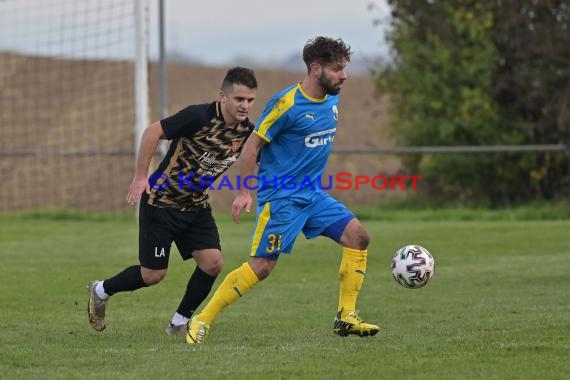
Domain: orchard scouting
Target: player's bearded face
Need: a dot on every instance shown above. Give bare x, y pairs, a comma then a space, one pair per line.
332, 77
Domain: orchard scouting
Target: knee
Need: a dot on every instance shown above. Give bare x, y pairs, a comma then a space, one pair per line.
152, 276
210, 261
363, 239
214, 266
360, 239
262, 267
262, 273
355, 236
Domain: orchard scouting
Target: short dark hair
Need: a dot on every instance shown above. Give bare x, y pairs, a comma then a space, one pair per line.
325, 50
239, 75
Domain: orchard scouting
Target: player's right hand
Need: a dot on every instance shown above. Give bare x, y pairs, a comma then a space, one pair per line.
242, 201
136, 189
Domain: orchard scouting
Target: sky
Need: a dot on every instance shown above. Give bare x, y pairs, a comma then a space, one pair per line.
217, 32
209, 31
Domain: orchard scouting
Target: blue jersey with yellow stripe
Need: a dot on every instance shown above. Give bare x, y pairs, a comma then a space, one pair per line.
299, 131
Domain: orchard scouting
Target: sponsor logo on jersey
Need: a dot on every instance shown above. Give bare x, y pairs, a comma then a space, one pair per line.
320, 138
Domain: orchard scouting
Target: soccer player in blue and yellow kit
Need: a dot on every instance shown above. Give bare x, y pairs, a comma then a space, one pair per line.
294, 135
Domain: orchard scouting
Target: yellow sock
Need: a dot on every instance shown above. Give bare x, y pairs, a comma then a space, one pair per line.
235, 285
351, 276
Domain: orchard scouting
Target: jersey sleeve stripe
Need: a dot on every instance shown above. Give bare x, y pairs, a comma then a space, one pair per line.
281, 106
260, 135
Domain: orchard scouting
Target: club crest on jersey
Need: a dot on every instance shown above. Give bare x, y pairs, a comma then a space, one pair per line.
335, 112
236, 143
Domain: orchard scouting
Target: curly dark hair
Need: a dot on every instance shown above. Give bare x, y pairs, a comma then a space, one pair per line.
325, 50
239, 75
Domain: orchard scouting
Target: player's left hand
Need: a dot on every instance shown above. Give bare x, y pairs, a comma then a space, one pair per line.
242, 201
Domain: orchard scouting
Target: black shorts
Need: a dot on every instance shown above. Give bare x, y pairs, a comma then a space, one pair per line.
158, 227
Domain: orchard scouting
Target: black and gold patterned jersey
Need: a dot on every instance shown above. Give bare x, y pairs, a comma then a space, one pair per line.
203, 147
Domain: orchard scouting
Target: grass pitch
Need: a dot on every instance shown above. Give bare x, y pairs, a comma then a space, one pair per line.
497, 308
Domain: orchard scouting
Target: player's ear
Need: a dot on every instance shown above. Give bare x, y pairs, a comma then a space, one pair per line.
316, 68
222, 96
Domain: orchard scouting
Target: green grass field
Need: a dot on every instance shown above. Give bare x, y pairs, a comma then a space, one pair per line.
498, 307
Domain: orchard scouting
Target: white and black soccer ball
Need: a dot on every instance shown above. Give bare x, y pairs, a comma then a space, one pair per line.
413, 266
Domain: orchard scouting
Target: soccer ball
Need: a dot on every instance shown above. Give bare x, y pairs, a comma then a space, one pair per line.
413, 266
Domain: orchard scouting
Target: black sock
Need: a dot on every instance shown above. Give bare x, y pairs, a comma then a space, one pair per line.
128, 280
197, 290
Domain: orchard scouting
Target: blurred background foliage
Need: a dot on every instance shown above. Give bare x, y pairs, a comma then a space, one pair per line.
481, 73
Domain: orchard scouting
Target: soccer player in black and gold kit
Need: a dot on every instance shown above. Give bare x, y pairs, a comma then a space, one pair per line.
206, 139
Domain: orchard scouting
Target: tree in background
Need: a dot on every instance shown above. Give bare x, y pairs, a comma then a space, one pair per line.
532, 82
481, 73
